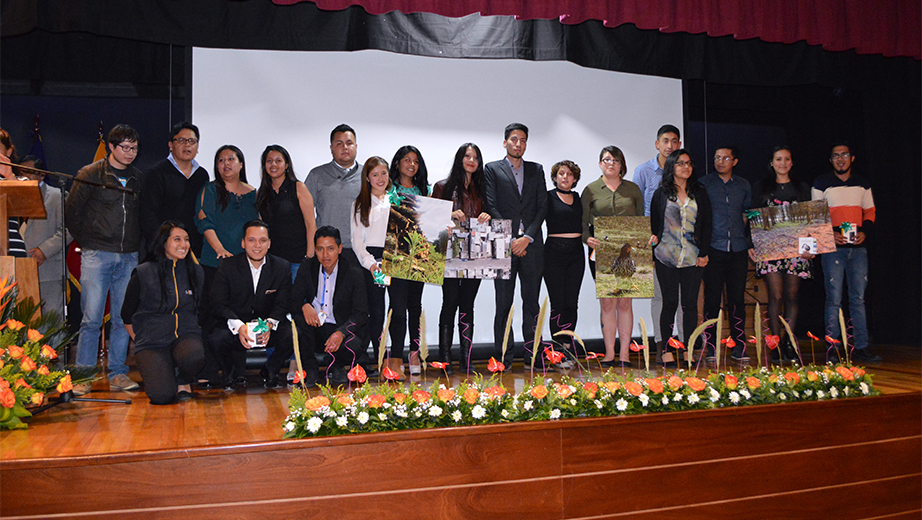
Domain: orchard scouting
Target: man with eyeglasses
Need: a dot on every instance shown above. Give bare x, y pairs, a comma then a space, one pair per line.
851, 208
647, 177
730, 251
104, 222
172, 186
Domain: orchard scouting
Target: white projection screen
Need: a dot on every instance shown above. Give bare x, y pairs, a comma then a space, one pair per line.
256, 98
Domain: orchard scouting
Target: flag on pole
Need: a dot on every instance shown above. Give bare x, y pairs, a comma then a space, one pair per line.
101, 147
37, 148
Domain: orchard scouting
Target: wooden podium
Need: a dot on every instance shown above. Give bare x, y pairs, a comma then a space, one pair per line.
19, 199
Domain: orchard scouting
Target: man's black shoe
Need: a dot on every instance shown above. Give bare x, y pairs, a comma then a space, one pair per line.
864, 355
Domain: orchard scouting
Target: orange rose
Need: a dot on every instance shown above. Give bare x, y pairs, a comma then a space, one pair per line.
539, 392
773, 378
731, 381
564, 391
858, 371
812, 376
16, 352
695, 384
633, 388
655, 385
345, 399
845, 373
591, 389
49, 352
495, 391
317, 403
2, 364
65, 385
21, 383
400, 397
611, 386
753, 382
2, 351
34, 335
43, 370
27, 365
7, 398
375, 400
421, 396
445, 394
37, 398
675, 382
471, 395
14, 325
792, 377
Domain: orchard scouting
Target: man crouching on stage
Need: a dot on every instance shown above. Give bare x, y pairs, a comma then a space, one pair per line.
330, 307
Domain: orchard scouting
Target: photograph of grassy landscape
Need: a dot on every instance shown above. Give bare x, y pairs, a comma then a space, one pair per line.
777, 230
417, 238
624, 261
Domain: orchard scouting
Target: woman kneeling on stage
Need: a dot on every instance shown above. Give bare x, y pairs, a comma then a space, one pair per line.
161, 315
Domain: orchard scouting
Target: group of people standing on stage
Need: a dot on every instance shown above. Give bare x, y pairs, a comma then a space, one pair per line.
313, 251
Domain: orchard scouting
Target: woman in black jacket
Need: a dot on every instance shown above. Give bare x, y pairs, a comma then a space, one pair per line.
680, 219
161, 314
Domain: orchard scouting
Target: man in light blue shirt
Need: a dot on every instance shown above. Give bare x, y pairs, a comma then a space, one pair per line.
647, 176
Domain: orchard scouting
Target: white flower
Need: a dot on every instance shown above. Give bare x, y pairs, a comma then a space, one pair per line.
442, 386
504, 413
528, 406
621, 404
796, 394
734, 397
598, 404
834, 392
783, 397
693, 398
745, 393
314, 424
864, 388
771, 391
820, 394
573, 402
386, 405
328, 412
677, 397
342, 422
644, 399
715, 395
808, 392
435, 411
362, 417
400, 412
847, 391
664, 400
289, 426
478, 412
555, 414
456, 416
382, 416
417, 412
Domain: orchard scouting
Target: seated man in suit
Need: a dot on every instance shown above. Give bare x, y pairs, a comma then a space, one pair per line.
329, 305
250, 286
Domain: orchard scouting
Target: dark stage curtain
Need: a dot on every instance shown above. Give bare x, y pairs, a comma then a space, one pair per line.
887, 27
871, 100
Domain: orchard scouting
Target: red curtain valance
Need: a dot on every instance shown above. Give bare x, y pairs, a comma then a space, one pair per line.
887, 27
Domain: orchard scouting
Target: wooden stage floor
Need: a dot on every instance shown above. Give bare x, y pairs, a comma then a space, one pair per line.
255, 415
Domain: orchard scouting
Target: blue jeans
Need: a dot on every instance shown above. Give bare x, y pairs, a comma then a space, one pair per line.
846, 264
102, 273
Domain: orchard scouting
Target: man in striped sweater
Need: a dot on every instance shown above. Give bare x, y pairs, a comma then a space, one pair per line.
851, 207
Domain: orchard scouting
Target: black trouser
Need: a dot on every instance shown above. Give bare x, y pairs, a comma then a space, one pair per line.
564, 266
313, 340
529, 269
726, 270
670, 280
213, 359
406, 301
158, 367
458, 295
229, 345
375, 294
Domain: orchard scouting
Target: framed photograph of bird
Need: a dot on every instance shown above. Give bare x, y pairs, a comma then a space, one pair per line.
624, 261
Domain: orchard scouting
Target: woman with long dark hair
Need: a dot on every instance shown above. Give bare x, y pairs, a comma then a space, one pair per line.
782, 277
463, 187
564, 258
287, 206
612, 196
680, 220
408, 176
161, 314
370, 213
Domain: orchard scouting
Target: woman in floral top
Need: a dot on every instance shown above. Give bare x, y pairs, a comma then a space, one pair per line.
782, 277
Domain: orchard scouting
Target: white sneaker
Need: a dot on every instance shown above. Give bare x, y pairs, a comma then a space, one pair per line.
415, 368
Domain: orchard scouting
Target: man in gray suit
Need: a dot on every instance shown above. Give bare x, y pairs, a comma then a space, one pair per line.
515, 190
43, 241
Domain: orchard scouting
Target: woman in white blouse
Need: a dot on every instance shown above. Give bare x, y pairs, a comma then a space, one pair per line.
370, 213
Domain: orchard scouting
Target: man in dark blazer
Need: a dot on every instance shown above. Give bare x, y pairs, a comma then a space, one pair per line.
515, 190
329, 305
250, 286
